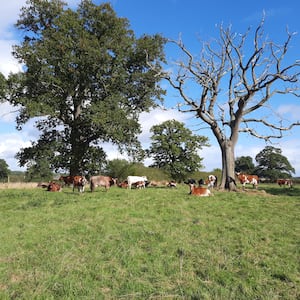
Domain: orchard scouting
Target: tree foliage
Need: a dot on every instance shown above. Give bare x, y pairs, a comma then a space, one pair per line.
85, 81
39, 170
244, 164
4, 170
272, 164
174, 149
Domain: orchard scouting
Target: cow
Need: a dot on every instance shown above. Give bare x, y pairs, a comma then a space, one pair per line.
212, 181
100, 180
123, 184
79, 182
68, 180
53, 187
245, 178
133, 179
172, 184
199, 191
285, 182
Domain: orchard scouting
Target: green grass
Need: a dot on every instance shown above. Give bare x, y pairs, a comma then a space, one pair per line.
156, 243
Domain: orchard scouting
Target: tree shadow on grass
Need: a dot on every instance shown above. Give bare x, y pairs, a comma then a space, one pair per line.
283, 191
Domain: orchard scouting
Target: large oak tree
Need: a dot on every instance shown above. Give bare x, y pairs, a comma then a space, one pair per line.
235, 76
85, 81
174, 149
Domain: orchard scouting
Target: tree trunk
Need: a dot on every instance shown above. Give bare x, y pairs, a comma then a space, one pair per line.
228, 163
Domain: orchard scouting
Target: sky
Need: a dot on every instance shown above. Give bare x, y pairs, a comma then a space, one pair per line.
194, 21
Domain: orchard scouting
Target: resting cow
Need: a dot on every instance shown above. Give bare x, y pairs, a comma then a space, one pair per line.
79, 182
245, 178
199, 191
105, 181
134, 179
53, 187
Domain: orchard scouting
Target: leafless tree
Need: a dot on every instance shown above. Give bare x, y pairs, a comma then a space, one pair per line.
233, 80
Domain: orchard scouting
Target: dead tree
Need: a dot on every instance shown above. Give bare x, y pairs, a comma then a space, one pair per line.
233, 80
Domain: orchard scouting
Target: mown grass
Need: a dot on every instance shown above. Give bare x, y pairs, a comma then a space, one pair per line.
156, 243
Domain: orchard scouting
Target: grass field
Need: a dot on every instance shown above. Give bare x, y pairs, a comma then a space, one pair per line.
156, 243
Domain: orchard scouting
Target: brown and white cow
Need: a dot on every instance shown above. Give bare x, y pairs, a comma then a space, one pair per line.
285, 182
79, 182
245, 178
68, 180
100, 180
53, 187
212, 181
199, 191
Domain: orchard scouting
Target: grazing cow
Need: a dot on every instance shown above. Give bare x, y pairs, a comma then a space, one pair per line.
199, 191
212, 181
79, 182
285, 182
245, 178
68, 180
53, 187
100, 180
133, 179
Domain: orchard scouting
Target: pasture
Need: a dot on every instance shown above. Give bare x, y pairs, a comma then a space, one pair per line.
157, 243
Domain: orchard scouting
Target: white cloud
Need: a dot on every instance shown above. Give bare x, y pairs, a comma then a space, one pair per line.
10, 144
290, 111
7, 112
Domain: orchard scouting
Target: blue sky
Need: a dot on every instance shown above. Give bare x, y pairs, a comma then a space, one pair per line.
194, 21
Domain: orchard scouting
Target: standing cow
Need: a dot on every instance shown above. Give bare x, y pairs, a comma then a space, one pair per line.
134, 179
79, 182
285, 182
245, 178
212, 181
105, 181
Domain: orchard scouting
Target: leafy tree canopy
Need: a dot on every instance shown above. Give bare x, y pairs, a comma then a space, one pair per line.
174, 149
272, 164
4, 170
86, 78
244, 164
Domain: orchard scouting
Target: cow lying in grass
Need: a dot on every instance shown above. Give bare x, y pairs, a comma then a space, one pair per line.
199, 191
53, 187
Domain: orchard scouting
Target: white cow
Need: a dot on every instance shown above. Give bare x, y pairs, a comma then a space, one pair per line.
134, 179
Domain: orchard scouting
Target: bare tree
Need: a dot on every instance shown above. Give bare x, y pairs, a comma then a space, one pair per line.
233, 80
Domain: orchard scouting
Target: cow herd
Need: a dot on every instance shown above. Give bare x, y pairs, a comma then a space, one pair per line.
199, 188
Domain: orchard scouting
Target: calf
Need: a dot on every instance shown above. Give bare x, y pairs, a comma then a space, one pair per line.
79, 182
105, 181
199, 191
